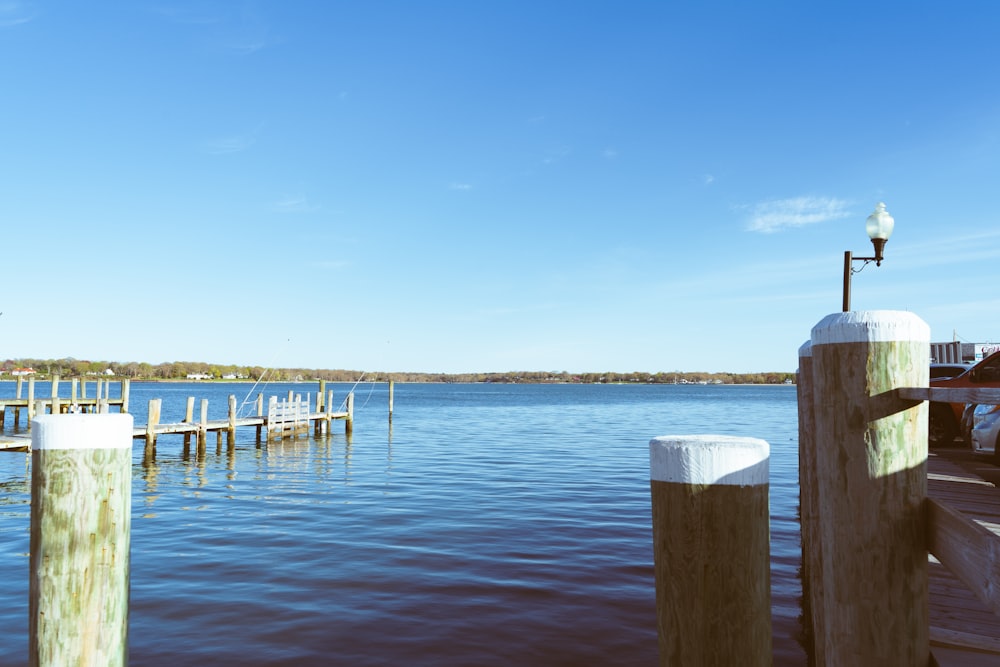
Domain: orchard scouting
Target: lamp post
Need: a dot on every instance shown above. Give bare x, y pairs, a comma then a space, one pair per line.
879, 227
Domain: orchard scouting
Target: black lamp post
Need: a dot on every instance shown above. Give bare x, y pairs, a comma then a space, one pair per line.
879, 227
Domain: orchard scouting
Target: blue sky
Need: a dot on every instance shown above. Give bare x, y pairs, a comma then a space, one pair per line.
490, 186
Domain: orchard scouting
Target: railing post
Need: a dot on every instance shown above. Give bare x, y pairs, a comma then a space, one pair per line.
871, 478
711, 549
81, 502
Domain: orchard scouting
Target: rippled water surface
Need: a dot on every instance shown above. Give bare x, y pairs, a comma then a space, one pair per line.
490, 525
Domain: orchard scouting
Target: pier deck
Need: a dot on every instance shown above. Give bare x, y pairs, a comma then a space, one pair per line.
964, 631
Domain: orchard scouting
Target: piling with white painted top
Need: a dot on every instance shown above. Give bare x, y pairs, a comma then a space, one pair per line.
812, 553
869, 450
711, 549
81, 503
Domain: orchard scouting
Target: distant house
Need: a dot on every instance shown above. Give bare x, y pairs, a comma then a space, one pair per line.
23, 371
109, 372
198, 376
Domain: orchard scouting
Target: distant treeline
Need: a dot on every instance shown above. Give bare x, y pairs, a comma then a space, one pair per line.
180, 370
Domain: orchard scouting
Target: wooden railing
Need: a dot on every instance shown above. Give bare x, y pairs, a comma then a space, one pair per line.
867, 523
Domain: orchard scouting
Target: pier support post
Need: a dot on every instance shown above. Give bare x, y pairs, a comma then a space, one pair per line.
81, 501
809, 508
260, 414
203, 429
392, 387
31, 400
349, 422
126, 390
231, 431
188, 419
870, 455
711, 549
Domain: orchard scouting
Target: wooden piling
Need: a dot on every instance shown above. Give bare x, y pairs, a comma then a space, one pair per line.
711, 549
870, 459
809, 508
31, 399
126, 391
188, 418
392, 388
203, 429
260, 413
349, 422
231, 431
80, 538
154, 419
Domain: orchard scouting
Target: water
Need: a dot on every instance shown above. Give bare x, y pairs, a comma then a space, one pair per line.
491, 525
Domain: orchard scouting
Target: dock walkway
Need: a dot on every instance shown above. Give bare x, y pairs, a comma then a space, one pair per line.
964, 630
284, 417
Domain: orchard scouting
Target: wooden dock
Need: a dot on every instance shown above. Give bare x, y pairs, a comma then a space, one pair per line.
964, 629
285, 417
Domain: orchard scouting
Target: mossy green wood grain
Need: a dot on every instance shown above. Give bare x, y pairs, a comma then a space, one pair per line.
80, 547
871, 458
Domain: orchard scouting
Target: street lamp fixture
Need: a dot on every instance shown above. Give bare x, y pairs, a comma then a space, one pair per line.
879, 227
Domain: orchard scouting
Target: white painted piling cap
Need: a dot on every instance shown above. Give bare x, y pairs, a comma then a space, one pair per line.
870, 326
709, 459
82, 431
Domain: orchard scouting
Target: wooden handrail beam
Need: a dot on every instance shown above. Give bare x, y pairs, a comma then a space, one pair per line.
987, 395
968, 549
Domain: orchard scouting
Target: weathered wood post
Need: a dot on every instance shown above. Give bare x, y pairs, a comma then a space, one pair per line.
260, 413
31, 399
151, 423
231, 430
188, 419
809, 508
349, 422
81, 502
318, 423
392, 387
272, 413
17, 395
203, 429
711, 549
871, 477
126, 390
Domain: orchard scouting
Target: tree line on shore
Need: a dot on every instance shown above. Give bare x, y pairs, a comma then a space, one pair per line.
180, 370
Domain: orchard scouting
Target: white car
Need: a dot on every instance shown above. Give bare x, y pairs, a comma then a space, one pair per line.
985, 428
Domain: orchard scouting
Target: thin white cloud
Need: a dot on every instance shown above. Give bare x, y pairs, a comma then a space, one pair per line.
609, 153
226, 145
232, 144
780, 214
708, 179
15, 13
460, 186
294, 204
241, 32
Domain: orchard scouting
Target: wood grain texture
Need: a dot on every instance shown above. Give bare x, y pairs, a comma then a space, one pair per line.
80, 541
712, 564
871, 482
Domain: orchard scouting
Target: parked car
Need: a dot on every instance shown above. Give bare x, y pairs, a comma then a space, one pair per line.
946, 418
985, 429
942, 371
